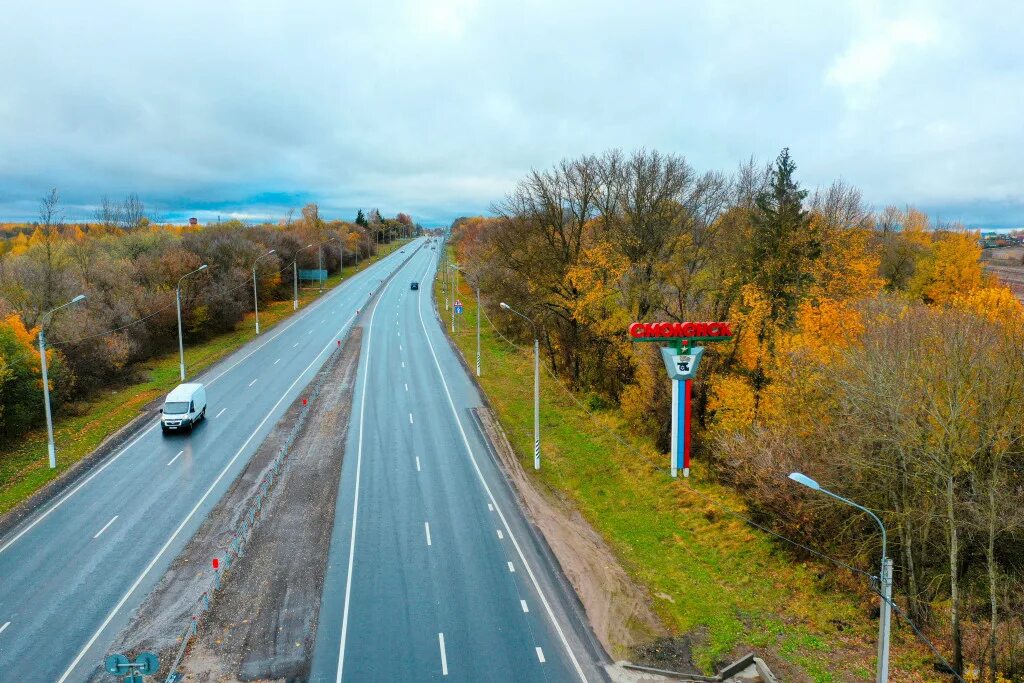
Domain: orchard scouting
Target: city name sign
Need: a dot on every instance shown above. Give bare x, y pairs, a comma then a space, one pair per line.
686, 330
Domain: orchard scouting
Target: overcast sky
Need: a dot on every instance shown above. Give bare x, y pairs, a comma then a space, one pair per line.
437, 108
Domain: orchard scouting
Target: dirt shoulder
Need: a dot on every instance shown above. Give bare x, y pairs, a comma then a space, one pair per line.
618, 610
261, 624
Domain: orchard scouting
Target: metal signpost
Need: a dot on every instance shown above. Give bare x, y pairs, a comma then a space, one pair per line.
145, 664
681, 359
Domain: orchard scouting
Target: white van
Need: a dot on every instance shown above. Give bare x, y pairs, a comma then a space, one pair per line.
184, 407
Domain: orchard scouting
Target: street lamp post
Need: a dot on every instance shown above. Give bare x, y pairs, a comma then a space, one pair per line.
477, 288
455, 289
478, 330
177, 300
295, 278
255, 293
536, 385
885, 578
51, 450
320, 261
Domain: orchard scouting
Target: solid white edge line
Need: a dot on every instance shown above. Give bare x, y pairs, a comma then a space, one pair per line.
72, 492
355, 501
174, 458
444, 657
277, 333
426, 527
192, 512
105, 527
490, 495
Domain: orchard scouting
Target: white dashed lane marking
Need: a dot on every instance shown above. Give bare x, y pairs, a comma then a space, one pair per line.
105, 527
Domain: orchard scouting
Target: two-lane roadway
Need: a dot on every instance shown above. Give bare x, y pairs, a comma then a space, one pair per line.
433, 571
71, 573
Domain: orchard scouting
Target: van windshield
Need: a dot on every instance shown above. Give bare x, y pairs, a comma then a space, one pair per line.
176, 408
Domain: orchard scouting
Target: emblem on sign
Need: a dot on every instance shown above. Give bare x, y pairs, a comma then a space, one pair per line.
682, 366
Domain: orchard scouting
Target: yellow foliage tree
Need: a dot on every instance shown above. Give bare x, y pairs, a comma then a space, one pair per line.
951, 266
996, 303
732, 402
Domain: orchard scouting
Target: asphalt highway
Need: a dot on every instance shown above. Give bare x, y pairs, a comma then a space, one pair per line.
71, 573
434, 574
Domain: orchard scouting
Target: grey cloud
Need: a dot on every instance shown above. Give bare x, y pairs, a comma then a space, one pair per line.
437, 107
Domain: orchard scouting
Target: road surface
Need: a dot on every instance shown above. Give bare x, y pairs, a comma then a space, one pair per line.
71, 573
433, 572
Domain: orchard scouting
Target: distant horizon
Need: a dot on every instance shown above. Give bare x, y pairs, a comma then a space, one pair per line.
210, 216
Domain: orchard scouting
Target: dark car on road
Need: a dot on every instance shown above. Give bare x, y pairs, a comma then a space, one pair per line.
414, 285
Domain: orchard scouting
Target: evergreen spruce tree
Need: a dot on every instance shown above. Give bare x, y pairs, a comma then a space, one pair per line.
783, 243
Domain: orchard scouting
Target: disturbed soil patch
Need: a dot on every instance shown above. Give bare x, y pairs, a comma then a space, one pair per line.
262, 622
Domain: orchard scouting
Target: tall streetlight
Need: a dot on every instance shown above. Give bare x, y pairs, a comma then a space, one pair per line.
295, 278
477, 288
455, 289
536, 385
885, 577
320, 261
46, 382
177, 301
255, 294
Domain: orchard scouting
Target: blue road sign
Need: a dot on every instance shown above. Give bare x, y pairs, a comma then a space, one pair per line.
115, 664
146, 663
458, 308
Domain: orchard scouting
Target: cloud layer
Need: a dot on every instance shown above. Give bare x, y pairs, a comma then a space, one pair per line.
436, 108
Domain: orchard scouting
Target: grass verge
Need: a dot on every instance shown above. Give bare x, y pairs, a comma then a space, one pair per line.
81, 427
711, 576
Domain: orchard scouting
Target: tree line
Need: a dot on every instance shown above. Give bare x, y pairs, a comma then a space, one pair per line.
870, 351
129, 268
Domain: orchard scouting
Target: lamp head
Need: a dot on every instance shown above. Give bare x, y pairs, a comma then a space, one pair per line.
803, 479
504, 305
203, 267
80, 297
